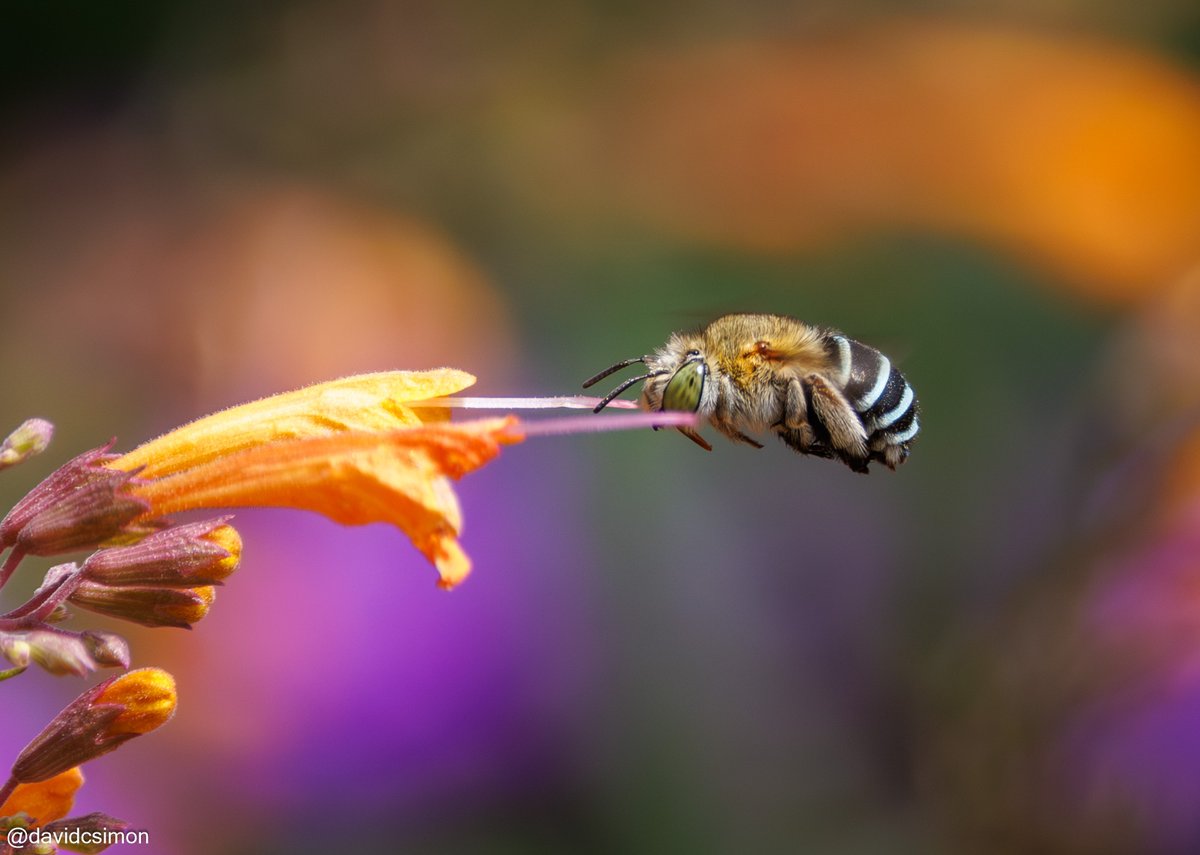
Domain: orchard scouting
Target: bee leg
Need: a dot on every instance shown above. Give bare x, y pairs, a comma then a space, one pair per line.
691, 434
794, 427
892, 456
803, 443
736, 435
846, 433
741, 437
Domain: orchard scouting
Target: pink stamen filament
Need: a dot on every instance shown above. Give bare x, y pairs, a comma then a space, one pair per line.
577, 424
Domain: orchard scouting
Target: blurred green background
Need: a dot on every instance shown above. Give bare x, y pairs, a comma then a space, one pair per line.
659, 650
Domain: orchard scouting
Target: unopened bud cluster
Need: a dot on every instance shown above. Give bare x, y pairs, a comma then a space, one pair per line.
144, 569
62, 652
167, 579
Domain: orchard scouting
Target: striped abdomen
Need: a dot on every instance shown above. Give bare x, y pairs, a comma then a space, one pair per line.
879, 396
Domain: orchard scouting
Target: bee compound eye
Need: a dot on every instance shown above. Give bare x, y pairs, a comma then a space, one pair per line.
685, 387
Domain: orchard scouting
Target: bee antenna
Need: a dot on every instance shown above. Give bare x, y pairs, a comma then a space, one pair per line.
617, 391
624, 364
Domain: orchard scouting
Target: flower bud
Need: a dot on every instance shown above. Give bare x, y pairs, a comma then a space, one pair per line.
29, 439
189, 554
16, 648
97, 722
146, 698
144, 604
89, 829
107, 648
60, 652
80, 505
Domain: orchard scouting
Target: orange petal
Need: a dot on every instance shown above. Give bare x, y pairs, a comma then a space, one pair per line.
147, 699
354, 478
365, 402
46, 800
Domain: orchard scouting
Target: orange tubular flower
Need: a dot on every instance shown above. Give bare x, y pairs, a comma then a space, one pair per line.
365, 402
399, 477
45, 801
349, 449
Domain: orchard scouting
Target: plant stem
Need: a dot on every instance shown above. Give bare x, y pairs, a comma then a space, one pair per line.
10, 564
7, 790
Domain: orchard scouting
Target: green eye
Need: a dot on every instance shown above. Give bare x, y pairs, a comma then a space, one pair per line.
683, 390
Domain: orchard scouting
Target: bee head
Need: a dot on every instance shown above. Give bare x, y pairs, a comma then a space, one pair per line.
686, 386
675, 380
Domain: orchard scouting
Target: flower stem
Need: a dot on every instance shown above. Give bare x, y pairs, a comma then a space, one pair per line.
14, 558
43, 602
12, 672
7, 789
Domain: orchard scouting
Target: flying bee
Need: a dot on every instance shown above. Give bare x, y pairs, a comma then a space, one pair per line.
824, 394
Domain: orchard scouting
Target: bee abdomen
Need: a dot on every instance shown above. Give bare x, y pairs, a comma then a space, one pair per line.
879, 394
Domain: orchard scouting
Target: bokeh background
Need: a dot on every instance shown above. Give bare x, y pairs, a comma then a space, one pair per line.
993, 650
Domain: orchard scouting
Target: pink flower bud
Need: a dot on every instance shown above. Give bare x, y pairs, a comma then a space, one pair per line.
190, 554
146, 605
29, 439
80, 505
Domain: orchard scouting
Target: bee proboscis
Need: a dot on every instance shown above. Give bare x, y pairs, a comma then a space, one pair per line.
822, 393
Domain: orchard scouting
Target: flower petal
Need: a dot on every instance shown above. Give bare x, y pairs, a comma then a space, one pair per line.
147, 699
354, 478
46, 800
364, 402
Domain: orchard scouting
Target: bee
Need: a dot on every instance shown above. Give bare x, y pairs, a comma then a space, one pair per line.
822, 393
